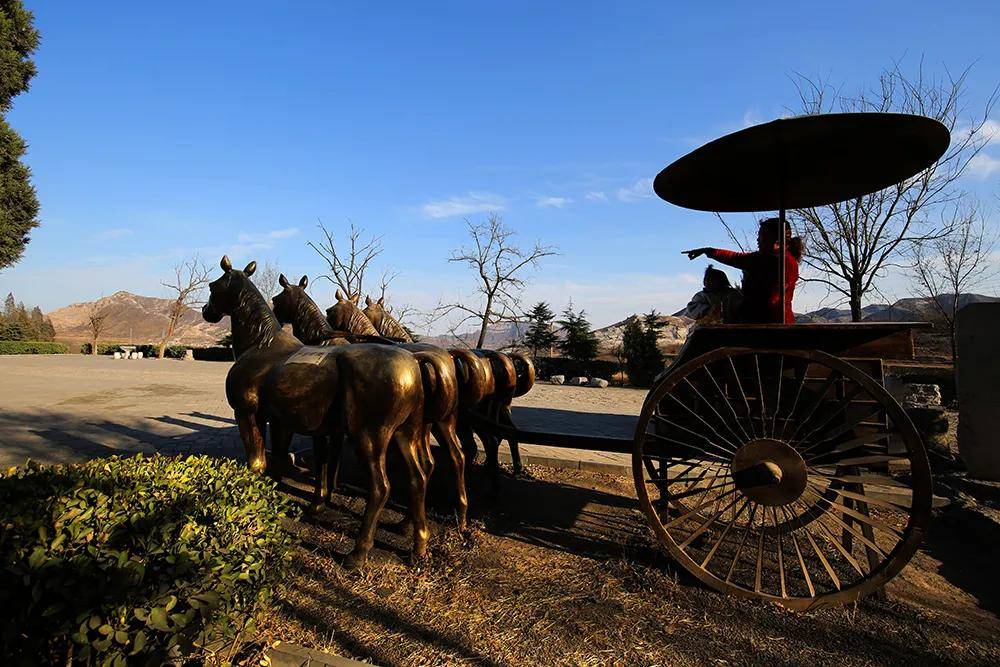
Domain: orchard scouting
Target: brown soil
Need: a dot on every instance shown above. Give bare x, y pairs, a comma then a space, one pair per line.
559, 569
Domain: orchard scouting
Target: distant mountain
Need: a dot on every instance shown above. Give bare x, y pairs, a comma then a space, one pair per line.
912, 309
497, 336
672, 335
139, 319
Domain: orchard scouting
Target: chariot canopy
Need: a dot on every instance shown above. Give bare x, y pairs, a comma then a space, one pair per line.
802, 162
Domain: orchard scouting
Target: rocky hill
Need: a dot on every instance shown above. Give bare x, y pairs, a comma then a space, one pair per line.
139, 319
913, 309
672, 334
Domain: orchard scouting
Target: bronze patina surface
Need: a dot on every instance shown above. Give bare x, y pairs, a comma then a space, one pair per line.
371, 394
438, 373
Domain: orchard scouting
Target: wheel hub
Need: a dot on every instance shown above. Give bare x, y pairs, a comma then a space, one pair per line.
769, 472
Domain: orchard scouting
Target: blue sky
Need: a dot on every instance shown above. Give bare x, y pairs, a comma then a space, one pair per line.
158, 130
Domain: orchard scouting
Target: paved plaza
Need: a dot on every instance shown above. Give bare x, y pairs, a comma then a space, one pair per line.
65, 408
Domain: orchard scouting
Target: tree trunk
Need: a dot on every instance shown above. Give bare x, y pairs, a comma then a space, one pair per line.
93, 346
855, 300
163, 343
486, 321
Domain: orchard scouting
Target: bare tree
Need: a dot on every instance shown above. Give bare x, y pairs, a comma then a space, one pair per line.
266, 279
498, 265
97, 315
348, 264
190, 278
851, 244
954, 264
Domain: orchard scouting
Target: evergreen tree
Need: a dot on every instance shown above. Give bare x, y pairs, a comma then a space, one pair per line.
580, 343
640, 343
18, 39
540, 338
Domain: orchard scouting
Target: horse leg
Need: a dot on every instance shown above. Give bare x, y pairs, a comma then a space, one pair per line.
515, 450
320, 466
411, 439
281, 438
334, 450
253, 440
445, 434
371, 450
465, 436
491, 443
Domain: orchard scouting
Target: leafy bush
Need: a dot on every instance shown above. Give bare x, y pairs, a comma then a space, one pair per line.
170, 352
102, 348
136, 559
31, 347
213, 354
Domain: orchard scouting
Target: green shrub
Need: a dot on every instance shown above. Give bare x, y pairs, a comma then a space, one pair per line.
31, 347
102, 348
136, 559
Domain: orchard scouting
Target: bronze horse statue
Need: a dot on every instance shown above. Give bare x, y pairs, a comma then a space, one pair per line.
369, 393
503, 377
438, 372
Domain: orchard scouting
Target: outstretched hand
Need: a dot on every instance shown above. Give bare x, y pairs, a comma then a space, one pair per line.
697, 252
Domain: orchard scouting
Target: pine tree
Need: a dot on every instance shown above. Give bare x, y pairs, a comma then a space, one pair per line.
640, 343
580, 343
540, 338
18, 215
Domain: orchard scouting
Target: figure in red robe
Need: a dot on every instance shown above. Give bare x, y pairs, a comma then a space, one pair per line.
761, 273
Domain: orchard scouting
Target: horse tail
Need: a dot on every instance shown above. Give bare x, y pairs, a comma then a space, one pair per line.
504, 375
437, 374
475, 381
525, 371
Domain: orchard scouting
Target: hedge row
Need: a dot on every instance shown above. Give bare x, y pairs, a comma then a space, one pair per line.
136, 560
31, 347
546, 367
148, 350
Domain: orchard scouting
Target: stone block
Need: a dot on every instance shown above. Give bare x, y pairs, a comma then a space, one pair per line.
600, 383
577, 381
977, 371
557, 379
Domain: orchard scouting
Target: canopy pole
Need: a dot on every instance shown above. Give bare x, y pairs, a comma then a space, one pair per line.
782, 249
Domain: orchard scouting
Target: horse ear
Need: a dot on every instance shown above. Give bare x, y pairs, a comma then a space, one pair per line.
250, 268
304, 282
368, 301
226, 265
381, 301
282, 280
340, 295
356, 298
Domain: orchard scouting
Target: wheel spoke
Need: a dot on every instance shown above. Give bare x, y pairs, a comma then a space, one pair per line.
848, 511
830, 380
708, 522
845, 403
714, 411
722, 537
832, 539
798, 553
707, 425
763, 402
725, 400
781, 555
719, 447
695, 510
746, 403
804, 370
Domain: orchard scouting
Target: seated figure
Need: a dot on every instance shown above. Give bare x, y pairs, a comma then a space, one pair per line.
718, 303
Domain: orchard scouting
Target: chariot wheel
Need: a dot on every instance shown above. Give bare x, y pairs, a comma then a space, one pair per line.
791, 476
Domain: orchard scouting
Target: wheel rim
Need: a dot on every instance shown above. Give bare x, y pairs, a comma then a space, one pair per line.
791, 476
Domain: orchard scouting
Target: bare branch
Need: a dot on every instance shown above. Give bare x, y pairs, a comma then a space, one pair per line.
190, 279
348, 265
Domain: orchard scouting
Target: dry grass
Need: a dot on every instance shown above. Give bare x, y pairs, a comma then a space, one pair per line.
560, 571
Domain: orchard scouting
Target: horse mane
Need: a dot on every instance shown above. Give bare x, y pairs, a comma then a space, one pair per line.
360, 324
310, 321
254, 317
390, 326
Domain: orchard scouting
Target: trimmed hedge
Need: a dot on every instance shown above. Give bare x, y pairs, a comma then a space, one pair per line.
213, 354
31, 347
102, 348
136, 560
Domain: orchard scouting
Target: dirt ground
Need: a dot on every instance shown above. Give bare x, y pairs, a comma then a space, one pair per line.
560, 569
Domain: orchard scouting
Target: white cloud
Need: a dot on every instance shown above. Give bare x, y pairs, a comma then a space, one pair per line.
556, 202
641, 189
990, 131
264, 237
983, 166
473, 202
596, 196
114, 233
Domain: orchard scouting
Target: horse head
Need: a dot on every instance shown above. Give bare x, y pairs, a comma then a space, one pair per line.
290, 300
224, 293
346, 316
375, 311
